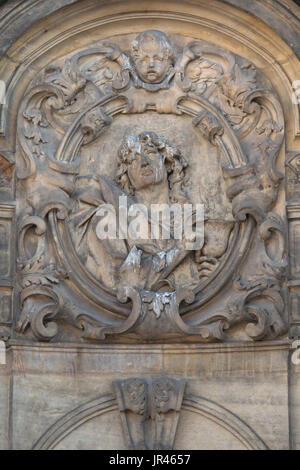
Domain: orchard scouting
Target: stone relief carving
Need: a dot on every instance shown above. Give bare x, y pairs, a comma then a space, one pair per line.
157, 124
149, 411
76, 418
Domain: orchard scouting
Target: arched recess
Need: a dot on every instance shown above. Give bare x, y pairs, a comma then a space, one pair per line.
63, 31
74, 419
209, 410
224, 418
228, 26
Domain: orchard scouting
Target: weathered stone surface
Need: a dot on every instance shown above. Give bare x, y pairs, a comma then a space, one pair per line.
5, 384
71, 168
234, 386
138, 341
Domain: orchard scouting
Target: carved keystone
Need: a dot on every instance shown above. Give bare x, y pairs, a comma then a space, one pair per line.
149, 411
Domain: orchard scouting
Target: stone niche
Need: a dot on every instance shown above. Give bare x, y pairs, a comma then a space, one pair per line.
138, 340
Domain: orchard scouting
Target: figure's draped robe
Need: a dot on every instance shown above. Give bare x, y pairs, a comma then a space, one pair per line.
142, 263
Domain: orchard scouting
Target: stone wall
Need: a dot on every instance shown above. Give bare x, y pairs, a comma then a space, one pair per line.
149, 343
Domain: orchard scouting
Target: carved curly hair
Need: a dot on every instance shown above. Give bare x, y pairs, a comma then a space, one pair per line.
155, 36
173, 160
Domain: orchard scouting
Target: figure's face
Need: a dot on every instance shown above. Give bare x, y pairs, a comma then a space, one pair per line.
151, 63
147, 167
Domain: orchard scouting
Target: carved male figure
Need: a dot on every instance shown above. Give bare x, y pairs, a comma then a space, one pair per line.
149, 171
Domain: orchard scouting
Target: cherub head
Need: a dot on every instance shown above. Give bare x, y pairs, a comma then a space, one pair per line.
153, 56
147, 159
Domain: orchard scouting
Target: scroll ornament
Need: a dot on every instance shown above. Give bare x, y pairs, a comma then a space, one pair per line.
71, 104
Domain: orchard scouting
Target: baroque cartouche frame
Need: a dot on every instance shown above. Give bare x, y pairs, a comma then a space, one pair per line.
232, 110
249, 153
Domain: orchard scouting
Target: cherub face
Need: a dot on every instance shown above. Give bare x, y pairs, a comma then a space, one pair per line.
146, 167
152, 62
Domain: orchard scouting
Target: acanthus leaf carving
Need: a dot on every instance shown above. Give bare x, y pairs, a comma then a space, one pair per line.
258, 299
40, 305
39, 301
254, 187
149, 411
264, 320
69, 106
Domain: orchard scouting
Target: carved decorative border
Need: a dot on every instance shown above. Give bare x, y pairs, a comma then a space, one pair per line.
231, 111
